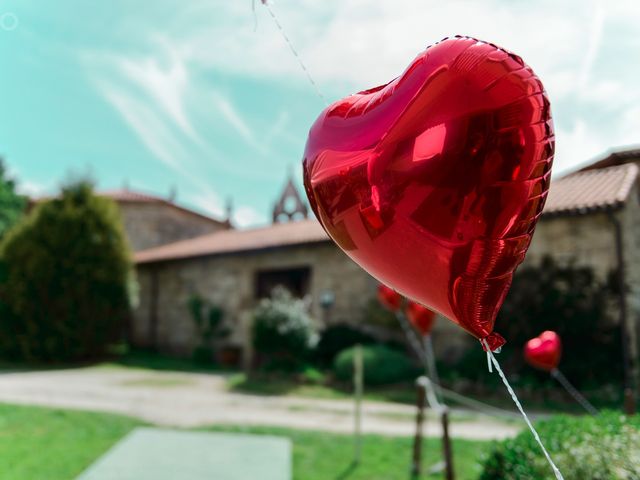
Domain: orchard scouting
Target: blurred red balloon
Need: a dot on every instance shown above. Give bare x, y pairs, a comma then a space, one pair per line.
420, 317
544, 351
389, 298
434, 182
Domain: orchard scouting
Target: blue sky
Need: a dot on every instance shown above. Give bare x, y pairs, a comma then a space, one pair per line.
190, 94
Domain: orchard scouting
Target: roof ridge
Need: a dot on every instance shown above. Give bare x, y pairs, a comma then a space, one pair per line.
596, 171
630, 177
592, 190
124, 195
229, 241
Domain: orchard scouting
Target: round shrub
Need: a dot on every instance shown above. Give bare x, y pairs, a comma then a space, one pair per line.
382, 365
66, 281
337, 338
584, 448
283, 332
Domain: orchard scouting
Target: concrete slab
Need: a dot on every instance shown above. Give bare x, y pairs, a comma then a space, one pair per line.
163, 454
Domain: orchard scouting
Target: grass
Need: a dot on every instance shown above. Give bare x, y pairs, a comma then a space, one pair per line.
40, 443
52, 444
327, 456
272, 384
157, 382
149, 360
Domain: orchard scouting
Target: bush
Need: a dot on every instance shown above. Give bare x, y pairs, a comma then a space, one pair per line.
66, 281
283, 332
584, 448
208, 321
569, 300
382, 365
337, 338
375, 314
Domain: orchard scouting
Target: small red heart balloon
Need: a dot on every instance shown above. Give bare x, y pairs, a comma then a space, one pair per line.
389, 298
420, 317
544, 351
434, 182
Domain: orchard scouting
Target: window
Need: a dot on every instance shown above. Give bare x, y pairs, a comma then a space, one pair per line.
296, 280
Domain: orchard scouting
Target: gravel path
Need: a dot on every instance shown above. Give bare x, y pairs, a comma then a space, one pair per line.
192, 400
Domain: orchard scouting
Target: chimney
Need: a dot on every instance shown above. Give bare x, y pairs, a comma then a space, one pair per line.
229, 211
173, 193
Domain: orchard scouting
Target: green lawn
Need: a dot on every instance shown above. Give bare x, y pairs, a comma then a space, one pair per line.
326, 456
51, 444
46, 444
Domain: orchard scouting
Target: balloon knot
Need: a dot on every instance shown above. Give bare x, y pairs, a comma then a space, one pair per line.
495, 342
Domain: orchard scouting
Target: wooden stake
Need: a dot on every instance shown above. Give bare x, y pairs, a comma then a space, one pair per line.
416, 464
358, 381
446, 445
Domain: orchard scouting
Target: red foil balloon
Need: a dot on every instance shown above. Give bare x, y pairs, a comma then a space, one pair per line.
420, 317
389, 298
434, 182
544, 351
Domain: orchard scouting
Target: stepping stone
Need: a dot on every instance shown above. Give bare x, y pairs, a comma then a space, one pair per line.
163, 454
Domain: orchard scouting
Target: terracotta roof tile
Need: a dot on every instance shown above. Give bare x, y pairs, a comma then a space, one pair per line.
229, 241
617, 157
129, 196
590, 190
125, 195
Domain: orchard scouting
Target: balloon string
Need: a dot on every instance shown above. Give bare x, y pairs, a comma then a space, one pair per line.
411, 337
522, 412
558, 375
293, 49
456, 397
431, 367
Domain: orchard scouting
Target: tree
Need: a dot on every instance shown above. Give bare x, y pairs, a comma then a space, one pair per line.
570, 300
12, 205
66, 279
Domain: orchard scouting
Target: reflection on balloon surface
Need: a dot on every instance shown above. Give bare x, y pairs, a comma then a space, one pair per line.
434, 182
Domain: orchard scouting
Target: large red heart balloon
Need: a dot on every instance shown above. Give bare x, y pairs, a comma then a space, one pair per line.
544, 351
434, 182
389, 298
421, 317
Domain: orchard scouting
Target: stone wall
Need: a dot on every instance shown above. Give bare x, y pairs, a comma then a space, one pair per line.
584, 240
149, 224
229, 281
630, 220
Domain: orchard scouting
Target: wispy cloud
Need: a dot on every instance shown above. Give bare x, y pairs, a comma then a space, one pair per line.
146, 124
32, 188
208, 201
166, 86
229, 112
245, 216
594, 41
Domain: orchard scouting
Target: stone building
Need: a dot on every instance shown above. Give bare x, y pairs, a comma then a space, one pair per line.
591, 217
151, 221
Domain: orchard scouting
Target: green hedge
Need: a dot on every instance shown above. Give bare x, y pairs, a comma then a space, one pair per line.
606, 447
382, 365
336, 338
66, 279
